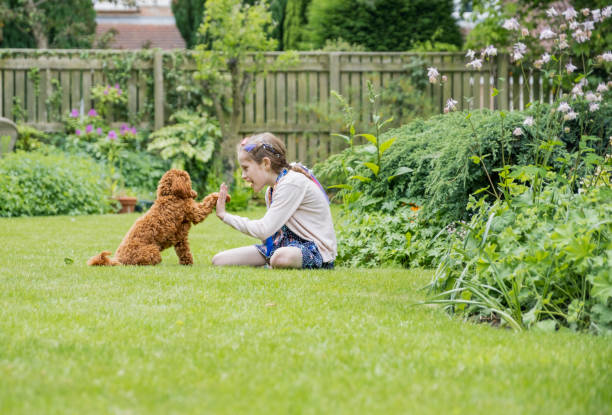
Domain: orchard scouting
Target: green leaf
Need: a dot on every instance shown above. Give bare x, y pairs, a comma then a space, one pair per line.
340, 186
361, 178
482, 189
401, 171
385, 146
345, 138
372, 139
374, 167
475, 159
495, 92
68, 261
467, 117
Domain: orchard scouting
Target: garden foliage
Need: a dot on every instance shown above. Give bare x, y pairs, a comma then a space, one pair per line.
382, 25
51, 183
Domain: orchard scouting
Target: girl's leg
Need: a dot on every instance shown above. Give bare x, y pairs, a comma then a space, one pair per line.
287, 257
245, 255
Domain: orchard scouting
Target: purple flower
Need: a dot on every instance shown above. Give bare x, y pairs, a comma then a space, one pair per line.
118, 88
106, 91
92, 113
89, 128
77, 132
112, 135
74, 113
99, 130
133, 130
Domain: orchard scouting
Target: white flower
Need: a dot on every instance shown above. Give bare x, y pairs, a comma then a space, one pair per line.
564, 107
607, 56
601, 88
470, 54
581, 36
524, 31
547, 33
596, 15
593, 107
589, 25
444, 78
528, 121
552, 12
451, 104
607, 12
546, 58
476, 64
585, 12
517, 131
577, 90
519, 50
433, 74
538, 64
490, 51
511, 24
563, 44
570, 116
592, 97
570, 67
570, 13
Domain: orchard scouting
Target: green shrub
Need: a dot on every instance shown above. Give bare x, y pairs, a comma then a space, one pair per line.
382, 25
35, 184
542, 260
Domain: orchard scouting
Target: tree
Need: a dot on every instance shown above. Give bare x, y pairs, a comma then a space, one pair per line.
277, 10
294, 24
46, 23
188, 15
382, 25
239, 40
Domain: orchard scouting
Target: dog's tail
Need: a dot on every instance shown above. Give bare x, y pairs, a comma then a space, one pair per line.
102, 259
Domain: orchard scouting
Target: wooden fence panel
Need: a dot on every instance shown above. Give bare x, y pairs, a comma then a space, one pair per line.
292, 102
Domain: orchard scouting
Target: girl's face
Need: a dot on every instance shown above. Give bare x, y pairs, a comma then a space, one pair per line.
257, 175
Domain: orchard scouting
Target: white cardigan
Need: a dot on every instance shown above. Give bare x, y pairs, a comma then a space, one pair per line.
301, 205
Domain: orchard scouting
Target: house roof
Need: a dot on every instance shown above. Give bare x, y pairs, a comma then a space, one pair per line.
137, 36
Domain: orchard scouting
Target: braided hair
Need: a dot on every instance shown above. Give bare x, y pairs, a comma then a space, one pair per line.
268, 145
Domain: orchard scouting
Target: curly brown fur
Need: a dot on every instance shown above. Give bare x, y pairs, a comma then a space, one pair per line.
166, 223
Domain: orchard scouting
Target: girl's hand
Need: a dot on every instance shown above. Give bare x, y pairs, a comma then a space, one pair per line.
221, 201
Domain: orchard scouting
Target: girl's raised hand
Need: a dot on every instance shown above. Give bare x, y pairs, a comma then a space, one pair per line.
221, 201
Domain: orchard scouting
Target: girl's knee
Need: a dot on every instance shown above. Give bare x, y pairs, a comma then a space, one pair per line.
286, 258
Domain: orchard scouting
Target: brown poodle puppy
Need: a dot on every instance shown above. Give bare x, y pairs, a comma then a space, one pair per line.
166, 224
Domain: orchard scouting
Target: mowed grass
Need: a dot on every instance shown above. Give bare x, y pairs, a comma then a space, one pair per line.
178, 340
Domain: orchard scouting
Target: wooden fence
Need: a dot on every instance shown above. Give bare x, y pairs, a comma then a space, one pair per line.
47, 85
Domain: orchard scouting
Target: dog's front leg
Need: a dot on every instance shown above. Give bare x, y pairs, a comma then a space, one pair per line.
202, 210
182, 251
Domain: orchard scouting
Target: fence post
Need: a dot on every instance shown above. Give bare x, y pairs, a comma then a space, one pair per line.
158, 77
503, 74
334, 71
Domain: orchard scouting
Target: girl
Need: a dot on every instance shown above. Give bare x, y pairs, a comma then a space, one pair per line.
297, 228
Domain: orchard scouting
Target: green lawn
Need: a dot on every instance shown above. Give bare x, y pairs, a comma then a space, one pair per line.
172, 339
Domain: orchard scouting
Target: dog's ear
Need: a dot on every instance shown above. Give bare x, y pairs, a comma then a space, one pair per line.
181, 185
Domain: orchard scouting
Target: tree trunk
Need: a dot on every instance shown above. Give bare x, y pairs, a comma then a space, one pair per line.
36, 18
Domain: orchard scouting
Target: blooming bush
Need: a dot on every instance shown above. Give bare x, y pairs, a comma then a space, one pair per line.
538, 249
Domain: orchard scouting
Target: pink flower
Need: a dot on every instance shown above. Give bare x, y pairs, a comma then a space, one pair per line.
593, 107
134, 131
99, 130
517, 131
106, 91
112, 135
77, 132
92, 113
74, 113
89, 128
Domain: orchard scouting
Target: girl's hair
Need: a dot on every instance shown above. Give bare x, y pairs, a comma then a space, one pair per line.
268, 145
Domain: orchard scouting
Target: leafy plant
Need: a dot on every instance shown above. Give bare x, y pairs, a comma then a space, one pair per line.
35, 183
189, 144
